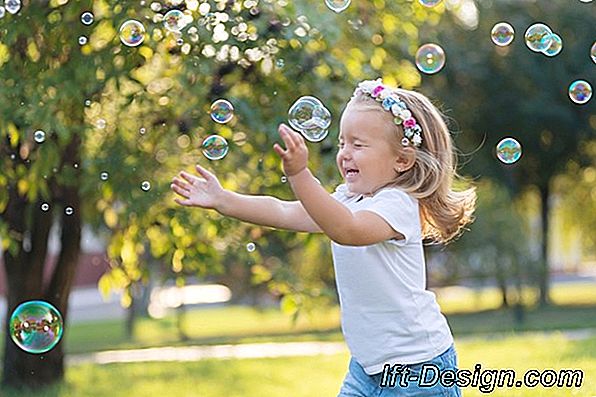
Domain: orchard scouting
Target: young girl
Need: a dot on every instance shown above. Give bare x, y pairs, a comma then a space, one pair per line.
398, 164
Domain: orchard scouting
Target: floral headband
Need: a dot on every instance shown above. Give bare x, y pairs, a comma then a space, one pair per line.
393, 103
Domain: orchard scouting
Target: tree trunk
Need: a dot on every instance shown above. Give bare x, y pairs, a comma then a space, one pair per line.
543, 274
24, 274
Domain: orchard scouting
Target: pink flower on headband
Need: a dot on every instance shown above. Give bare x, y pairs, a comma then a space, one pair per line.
377, 91
409, 123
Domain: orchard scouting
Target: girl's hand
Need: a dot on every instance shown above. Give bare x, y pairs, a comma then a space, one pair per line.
205, 192
295, 157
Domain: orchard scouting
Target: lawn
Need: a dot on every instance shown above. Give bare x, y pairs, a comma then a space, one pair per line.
321, 376
468, 312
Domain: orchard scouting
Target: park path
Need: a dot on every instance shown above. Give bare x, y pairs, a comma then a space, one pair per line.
259, 350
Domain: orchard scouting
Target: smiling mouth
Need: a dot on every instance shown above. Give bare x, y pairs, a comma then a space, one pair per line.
350, 172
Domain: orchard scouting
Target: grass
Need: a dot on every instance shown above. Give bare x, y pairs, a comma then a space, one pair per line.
319, 376
468, 312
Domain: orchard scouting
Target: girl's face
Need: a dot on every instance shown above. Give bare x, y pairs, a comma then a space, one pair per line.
367, 158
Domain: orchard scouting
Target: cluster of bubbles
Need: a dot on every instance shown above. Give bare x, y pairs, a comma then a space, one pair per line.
430, 58
10, 6
36, 326
310, 117
132, 33
540, 38
215, 147
337, 5
509, 150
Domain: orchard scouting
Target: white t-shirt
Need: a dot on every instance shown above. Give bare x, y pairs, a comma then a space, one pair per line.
387, 315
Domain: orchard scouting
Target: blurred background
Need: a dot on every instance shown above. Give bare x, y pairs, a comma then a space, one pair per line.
97, 116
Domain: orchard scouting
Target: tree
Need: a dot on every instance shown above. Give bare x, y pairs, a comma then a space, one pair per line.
93, 100
511, 91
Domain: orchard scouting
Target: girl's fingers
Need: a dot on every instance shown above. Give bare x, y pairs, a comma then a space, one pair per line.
279, 150
180, 183
204, 173
189, 177
183, 192
182, 202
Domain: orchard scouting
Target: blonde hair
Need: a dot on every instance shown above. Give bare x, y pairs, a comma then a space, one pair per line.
444, 212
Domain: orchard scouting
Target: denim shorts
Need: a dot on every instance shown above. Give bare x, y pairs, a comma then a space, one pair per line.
358, 384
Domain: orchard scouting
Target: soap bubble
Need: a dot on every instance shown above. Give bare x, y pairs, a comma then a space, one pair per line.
429, 3
593, 52
87, 18
502, 34
538, 37
82, 40
45, 207
132, 33
283, 179
145, 186
337, 5
2, 12
555, 46
430, 58
142, 130
174, 21
101, 124
69, 210
310, 117
39, 136
104, 176
215, 147
36, 326
580, 91
222, 111
12, 6
250, 247
509, 150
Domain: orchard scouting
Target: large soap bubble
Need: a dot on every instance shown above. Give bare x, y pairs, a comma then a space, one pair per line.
36, 326
310, 117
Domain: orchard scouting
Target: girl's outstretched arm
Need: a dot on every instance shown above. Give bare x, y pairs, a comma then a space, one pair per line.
205, 191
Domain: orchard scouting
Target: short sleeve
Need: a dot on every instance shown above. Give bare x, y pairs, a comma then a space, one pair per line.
400, 211
341, 193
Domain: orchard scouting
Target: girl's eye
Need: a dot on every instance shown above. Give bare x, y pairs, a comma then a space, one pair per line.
358, 145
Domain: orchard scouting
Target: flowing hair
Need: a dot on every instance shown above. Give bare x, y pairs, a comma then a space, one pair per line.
444, 212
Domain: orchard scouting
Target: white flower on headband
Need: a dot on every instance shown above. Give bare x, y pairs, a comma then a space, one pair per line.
391, 101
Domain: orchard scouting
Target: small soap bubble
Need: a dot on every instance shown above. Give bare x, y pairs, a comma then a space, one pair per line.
132, 33
280, 63
580, 91
45, 207
337, 5
104, 176
82, 40
222, 111
429, 3
284, 179
509, 150
39, 136
555, 46
502, 34
174, 21
538, 37
593, 52
145, 186
214, 147
142, 130
69, 210
2, 12
36, 326
310, 117
179, 42
12, 6
356, 24
87, 18
88, 102
250, 247
430, 58
101, 124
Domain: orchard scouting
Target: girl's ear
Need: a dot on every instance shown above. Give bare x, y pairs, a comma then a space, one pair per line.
405, 159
